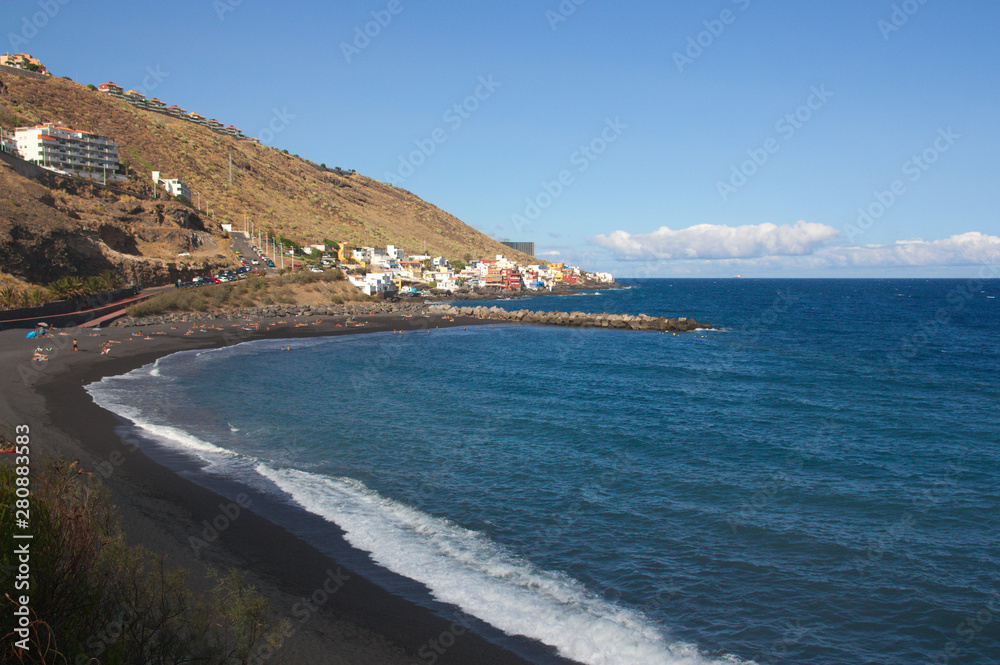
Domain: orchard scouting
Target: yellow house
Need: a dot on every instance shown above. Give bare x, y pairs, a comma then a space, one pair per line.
557, 266
344, 253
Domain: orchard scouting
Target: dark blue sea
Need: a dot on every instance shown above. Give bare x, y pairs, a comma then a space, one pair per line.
818, 483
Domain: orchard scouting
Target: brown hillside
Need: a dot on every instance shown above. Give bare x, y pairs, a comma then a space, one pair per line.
289, 195
54, 226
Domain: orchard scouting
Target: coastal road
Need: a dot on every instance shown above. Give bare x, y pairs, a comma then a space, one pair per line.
242, 243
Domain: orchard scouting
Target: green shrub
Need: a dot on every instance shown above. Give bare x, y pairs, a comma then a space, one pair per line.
96, 599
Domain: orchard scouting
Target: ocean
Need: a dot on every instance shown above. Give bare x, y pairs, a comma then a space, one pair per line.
819, 482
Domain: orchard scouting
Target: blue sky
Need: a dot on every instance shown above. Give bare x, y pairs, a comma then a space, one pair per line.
712, 139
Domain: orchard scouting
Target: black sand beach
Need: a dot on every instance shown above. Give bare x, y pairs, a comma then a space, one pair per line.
336, 614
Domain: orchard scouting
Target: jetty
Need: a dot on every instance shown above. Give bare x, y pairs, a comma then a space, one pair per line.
576, 319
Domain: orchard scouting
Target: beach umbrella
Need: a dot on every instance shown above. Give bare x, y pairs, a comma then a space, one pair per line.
42, 324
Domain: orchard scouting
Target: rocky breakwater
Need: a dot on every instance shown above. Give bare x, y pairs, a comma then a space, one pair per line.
578, 319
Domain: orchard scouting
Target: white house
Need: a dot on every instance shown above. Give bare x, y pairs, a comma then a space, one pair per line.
471, 272
503, 263
445, 278
177, 188
373, 283
439, 261
71, 151
394, 252
388, 265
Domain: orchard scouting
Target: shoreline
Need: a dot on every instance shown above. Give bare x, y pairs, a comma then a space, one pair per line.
161, 509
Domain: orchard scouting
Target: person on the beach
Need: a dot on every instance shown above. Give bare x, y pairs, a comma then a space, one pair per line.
74, 346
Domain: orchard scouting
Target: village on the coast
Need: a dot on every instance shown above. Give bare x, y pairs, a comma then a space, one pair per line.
376, 271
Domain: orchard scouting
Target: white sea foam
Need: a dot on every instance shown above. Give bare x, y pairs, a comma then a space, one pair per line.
465, 568
105, 394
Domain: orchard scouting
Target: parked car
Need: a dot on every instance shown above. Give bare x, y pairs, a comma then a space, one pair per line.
255, 262
315, 269
270, 264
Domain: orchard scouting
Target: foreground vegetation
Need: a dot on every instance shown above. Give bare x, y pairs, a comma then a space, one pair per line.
97, 600
65, 288
292, 289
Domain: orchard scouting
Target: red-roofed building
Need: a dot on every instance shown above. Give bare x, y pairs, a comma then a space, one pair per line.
111, 89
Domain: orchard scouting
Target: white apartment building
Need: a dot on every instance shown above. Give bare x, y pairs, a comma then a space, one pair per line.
69, 151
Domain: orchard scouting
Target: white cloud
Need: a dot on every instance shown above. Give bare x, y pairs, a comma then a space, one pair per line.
713, 241
965, 249
552, 253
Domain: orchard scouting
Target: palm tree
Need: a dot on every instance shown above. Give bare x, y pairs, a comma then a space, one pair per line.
37, 296
94, 285
9, 297
66, 288
109, 280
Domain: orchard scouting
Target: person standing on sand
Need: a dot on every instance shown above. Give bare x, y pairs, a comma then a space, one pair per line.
74, 346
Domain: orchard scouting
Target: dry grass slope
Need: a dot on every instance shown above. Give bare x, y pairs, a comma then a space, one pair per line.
290, 195
303, 288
